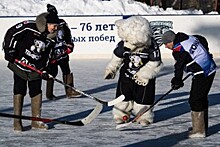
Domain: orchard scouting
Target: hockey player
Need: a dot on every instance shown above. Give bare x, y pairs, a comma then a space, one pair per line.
191, 54
31, 43
138, 58
60, 57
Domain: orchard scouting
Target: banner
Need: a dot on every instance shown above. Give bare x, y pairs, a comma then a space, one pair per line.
96, 36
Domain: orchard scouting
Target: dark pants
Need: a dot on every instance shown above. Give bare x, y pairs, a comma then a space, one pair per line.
200, 88
20, 86
53, 68
132, 91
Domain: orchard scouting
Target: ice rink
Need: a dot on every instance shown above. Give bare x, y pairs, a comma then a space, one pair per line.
172, 114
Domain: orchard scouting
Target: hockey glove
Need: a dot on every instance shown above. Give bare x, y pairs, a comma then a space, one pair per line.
10, 55
45, 75
68, 51
176, 83
69, 48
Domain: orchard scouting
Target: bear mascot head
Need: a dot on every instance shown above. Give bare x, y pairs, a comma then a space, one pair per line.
135, 31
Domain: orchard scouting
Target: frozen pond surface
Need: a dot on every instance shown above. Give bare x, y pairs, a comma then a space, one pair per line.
172, 115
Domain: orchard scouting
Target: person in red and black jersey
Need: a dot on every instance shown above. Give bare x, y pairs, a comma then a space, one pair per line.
60, 57
30, 42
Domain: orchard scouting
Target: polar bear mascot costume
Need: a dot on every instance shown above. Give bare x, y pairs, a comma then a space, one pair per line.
138, 58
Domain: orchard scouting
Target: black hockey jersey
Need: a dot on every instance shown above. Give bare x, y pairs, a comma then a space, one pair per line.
133, 61
31, 47
63, 38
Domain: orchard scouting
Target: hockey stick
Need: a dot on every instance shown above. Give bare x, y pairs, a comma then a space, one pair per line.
143, 111
81, 122
109, 103
55, 59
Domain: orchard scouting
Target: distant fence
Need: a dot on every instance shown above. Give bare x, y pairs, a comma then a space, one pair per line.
96, 36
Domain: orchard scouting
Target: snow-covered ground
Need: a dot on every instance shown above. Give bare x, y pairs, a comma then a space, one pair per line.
172, 114
85, 7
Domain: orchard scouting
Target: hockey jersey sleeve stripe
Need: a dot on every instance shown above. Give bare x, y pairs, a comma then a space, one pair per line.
190, 63
19, 32
178, 48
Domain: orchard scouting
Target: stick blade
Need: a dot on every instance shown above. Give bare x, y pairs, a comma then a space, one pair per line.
123, 125
95, 112
116, 101
76, 123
